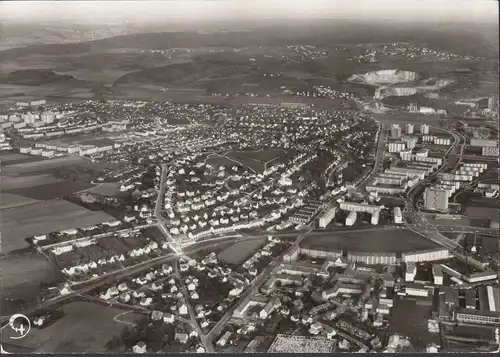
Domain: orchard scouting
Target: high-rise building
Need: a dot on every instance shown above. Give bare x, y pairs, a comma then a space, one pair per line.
436, 199
424, 129
395, 131
413, 108
410, 141
491, 103
397, 146
409, 128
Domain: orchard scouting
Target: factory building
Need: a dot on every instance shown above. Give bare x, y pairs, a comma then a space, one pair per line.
436, 199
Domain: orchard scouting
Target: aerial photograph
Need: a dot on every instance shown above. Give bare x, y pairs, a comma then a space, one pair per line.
249, 176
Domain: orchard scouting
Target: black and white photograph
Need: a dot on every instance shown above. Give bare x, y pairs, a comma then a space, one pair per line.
249, 176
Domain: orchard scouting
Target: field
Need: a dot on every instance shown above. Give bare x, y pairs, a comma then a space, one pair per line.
21, 278
11, 158
254, 160
44, 165
14, 183
86, 327
240, 252
106, 189
44, 217
9, 200
218, 160
482, 212
395, 241
52, 190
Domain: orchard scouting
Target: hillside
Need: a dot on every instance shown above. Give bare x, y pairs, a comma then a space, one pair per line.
185, 73
473, 41
33, 77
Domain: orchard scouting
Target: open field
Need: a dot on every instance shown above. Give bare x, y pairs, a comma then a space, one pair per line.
86, 327
44, 217
395, 241
21, 277
13, 183
263, 155
238, 253
225, 160
9, 200
53, 190
41, 166
482, 212
12, 158
106, 189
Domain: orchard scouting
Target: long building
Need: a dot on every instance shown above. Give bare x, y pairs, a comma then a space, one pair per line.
426, 255
359, 207
327, 217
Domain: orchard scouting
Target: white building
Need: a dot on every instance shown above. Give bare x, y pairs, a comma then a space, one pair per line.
411, 271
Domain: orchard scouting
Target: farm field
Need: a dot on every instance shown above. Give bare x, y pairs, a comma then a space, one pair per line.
21, 277
9, 200
106, 189
392, 241
13, 183
52, 190
44, 217
86, 327
12, 158
44, 165
240, 252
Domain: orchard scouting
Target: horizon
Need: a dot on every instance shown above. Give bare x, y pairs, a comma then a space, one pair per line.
189, 11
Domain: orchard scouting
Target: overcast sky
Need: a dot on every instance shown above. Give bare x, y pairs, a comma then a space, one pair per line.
191, 10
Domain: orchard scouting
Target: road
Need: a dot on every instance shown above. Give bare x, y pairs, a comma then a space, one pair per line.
256, 284
192, 314
378, 155
161, 220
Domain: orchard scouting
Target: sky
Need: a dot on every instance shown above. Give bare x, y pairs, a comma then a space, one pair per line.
145, 11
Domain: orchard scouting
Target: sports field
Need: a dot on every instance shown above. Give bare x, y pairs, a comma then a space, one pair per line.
394, 241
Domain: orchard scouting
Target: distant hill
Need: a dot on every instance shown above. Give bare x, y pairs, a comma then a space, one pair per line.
184, 73
34, 77
452, 37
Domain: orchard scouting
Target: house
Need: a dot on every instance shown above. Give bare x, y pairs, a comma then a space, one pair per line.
146, 301
168, 317
181, 337
194, 295
156, 315
224, 339
183, 310
39, 321
200, 349
140, 347
315, 328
